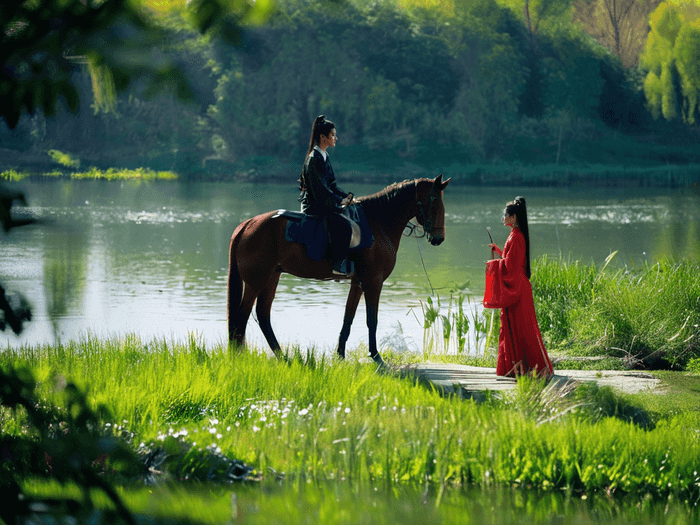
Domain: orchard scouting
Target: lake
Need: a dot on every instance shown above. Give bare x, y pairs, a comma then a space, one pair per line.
150, 258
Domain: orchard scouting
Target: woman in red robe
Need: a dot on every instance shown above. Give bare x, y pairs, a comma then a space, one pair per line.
520, 346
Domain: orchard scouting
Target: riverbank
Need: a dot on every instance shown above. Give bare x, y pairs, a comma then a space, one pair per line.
359, 168
310, 417
296, 431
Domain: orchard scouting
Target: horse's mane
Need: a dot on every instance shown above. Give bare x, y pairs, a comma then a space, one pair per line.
391, 191
395, 194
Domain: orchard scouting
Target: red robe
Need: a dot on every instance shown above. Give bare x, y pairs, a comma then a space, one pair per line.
508, 288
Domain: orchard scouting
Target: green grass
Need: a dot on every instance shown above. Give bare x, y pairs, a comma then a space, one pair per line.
648, 316
633, 317
326, 421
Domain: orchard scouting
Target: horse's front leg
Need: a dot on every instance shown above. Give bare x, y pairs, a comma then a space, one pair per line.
372, 293
350, 309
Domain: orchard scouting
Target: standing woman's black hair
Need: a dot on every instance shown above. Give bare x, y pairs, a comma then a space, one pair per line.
517, 207
320, 127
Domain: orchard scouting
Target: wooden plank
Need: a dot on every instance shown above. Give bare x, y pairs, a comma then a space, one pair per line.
475, 382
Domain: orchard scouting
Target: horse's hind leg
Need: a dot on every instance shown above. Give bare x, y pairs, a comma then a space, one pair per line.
372, 293
350, 309
262, 309
238, 318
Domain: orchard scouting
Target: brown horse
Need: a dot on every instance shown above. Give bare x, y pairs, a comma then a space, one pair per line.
259, 254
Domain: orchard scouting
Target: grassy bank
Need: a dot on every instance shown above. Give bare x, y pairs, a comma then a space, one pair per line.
94, 173
647, 316
360, 165
313, 419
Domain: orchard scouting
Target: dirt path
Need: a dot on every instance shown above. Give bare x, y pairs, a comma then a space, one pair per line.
473, 381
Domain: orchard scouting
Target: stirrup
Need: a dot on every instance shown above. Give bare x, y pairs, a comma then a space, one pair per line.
345, 267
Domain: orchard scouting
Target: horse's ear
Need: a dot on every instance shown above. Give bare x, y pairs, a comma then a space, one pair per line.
439, 184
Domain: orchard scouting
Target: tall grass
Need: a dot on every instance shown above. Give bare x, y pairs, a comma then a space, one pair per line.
649, 316
347, 422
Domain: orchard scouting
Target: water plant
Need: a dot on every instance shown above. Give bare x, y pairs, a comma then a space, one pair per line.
458, 331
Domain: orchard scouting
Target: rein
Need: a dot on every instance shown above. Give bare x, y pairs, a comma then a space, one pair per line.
427, 229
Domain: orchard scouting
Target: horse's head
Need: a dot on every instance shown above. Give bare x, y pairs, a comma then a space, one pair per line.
431, 210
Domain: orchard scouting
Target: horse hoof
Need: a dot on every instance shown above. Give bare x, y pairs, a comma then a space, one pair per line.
378, 359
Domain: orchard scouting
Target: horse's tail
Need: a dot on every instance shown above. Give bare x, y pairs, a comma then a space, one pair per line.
235, 288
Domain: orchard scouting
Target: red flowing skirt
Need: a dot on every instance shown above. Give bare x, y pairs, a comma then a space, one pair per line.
520, 340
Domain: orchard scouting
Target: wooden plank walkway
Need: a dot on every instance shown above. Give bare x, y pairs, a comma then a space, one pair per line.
474, 382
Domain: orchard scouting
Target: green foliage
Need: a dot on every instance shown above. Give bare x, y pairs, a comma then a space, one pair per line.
693, 365
64, 159
69, 438
125, 174
13, 175
43, 41
648, 316
671, 58
429, 84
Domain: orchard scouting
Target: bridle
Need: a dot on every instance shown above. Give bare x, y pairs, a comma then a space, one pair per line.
423, 213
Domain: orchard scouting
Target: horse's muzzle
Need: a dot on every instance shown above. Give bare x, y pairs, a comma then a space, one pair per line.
436, 240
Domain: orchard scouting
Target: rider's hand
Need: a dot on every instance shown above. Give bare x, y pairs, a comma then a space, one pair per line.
496, 249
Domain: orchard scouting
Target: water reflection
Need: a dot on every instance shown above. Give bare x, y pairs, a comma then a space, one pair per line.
291, 502
151, 258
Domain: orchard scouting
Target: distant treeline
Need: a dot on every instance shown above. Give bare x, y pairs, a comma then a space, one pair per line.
470, 91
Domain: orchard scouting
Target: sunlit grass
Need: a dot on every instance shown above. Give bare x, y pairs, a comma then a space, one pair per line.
13, 175
125, 174
111, 174
322, 420
649, 316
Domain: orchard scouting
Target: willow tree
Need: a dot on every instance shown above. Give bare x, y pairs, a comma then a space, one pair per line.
42, 42
672, 61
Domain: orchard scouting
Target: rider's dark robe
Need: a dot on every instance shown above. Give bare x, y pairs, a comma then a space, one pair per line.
319, 191
321, 196
509, 288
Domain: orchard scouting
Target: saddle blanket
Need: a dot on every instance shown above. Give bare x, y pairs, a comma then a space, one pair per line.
310, 230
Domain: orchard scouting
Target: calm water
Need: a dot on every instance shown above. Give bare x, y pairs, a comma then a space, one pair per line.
151, 258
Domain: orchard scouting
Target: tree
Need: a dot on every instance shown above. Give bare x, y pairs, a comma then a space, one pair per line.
619, 25
43, 41
671, 59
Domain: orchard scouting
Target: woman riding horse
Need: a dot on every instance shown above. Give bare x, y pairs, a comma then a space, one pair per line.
259, 253
320, 194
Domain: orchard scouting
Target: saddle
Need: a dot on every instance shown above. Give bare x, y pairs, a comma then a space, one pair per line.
310, 230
